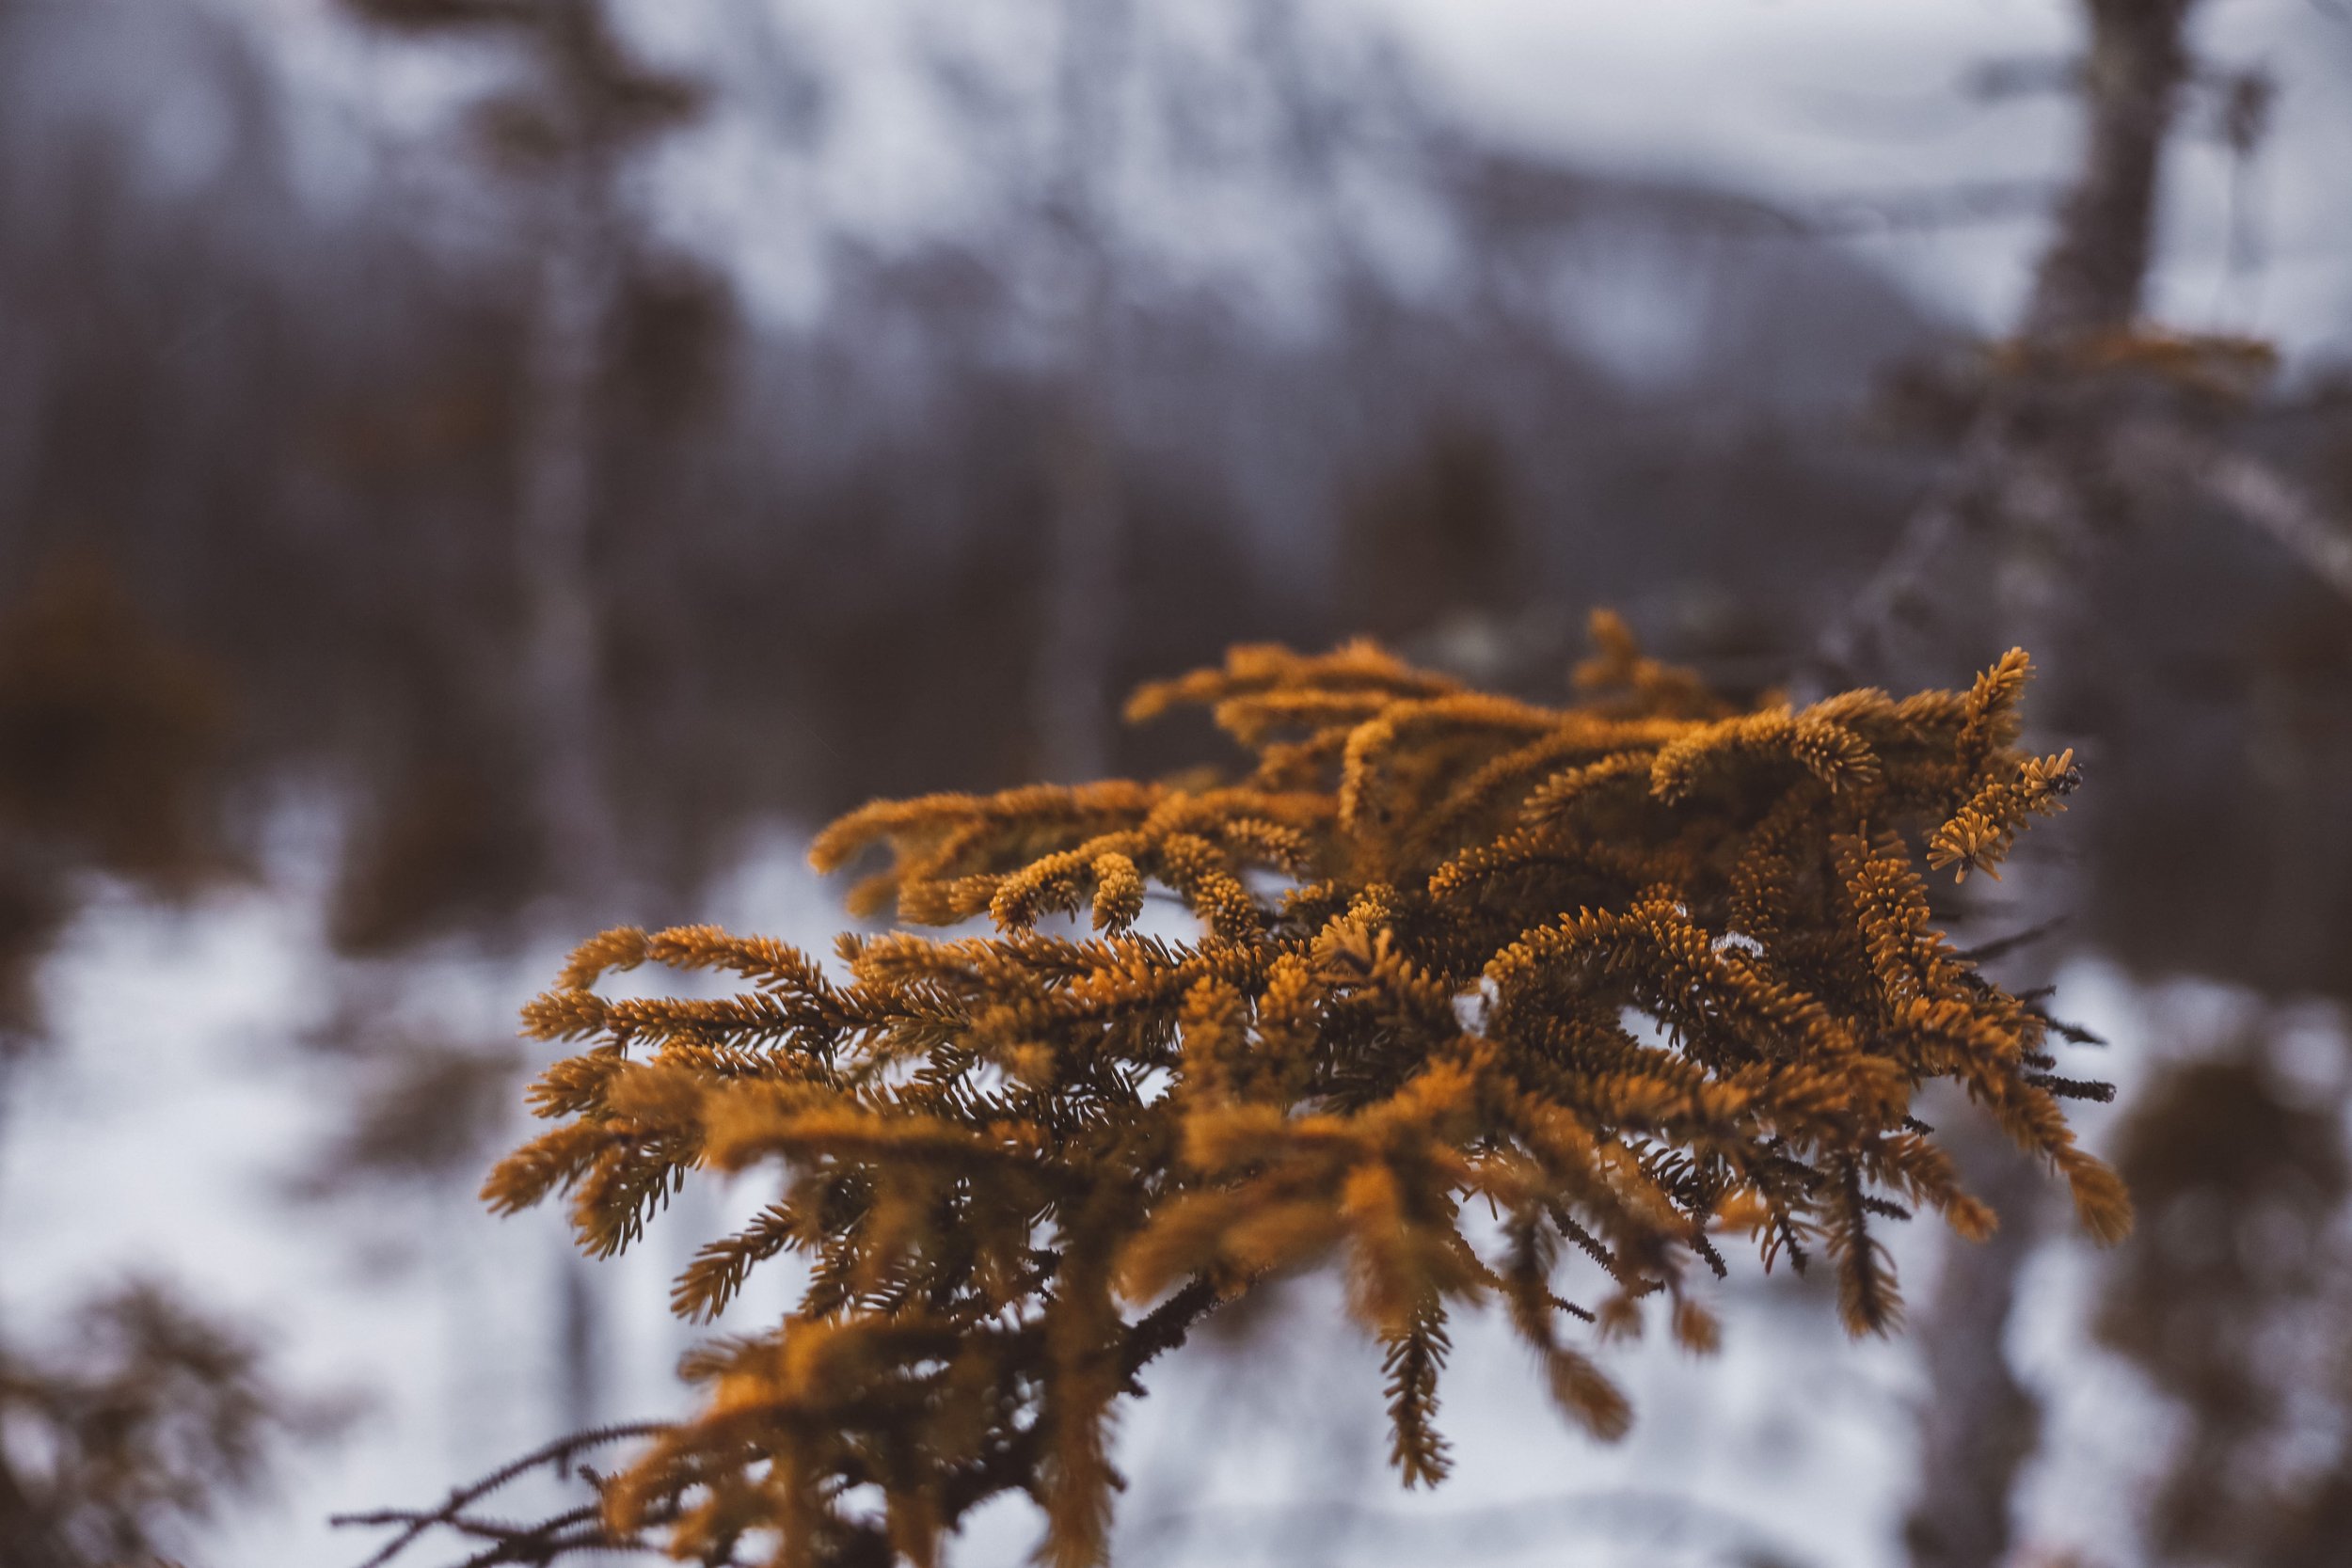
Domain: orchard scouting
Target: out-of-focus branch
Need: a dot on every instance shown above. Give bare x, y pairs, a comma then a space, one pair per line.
1863, 213
145, 1421
1855, 639
2250, 490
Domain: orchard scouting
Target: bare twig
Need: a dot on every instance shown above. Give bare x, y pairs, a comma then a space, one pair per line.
1012, 1467
450, 1515
2002, 947
1855, 638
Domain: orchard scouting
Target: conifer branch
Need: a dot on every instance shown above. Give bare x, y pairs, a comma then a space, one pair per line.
1023, 1166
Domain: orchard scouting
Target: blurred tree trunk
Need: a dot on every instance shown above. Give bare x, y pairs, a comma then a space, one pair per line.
2038, 459
554, 504
1978, 1424
2094, 275
555, 499
25, 1539
588, 104
1079, 618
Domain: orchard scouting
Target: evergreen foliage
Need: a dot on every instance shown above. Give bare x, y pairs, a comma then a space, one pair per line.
1476, 984
137, 1432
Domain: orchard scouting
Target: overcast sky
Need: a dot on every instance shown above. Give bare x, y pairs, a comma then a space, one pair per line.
1810, 100
1804, 102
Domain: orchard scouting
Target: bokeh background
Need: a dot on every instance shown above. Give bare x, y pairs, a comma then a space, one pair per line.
475, 470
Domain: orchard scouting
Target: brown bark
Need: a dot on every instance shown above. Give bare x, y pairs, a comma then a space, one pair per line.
2094, 275
2038, 461
2037, 441
26, 1540
1980, 1423
598, 105
555, 490
1079, 614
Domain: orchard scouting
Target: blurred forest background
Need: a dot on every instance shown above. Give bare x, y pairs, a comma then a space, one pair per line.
475, 469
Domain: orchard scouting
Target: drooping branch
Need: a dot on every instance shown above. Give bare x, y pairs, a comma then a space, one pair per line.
2248, 489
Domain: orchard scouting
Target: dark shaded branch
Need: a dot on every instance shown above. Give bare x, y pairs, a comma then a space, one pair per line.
2250, 490
1012, 1467
2000, 947
450, 1511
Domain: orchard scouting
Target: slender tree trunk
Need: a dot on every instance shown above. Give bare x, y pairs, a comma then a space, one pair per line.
1979, 1423
2039, 470
1079, 638
563, 687
2093, 279
555, 506
2094, 275
1080, 614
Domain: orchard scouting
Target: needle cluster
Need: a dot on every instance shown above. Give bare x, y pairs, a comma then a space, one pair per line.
1473, 992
